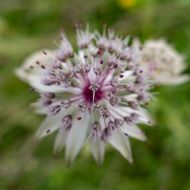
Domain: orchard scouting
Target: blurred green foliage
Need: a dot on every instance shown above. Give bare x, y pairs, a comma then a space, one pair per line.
162, 163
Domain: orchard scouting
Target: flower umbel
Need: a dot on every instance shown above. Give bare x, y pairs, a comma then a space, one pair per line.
162, 63
94, 94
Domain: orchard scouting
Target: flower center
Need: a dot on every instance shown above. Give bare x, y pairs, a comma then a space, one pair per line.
92, 95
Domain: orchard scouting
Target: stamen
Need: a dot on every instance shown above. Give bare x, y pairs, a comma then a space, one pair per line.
45, 53
48, 131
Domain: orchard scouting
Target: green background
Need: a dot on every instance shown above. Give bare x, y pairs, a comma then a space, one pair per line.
161, 163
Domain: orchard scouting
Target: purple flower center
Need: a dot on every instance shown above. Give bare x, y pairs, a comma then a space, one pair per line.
91, 96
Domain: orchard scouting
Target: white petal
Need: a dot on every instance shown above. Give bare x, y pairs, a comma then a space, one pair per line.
108, 77
36, 82
125, 111
174, 80
102, 122
115, 114
39, 107
121, 142
76, 137
60, 140
20, 72
130, 97
119, 112
98, 149
91, 75
133, 131
24, 71
49, 125
144, 117
81, 57
52, 123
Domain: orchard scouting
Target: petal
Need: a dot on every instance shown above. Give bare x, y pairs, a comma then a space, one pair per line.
76, 137
120, 112
36, 82
52, 123
24, 71
133, 131
121, 142
115, 114
98, 149
60, 140
125, 111
91, 75
39, 107
102, 122
20, 72
144, 117
175, 80
108, 77
49, 125
130, 97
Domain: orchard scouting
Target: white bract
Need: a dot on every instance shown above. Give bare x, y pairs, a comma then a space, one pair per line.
94, 94
162, 63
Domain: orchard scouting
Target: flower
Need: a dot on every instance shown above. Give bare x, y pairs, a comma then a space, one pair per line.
94, 94
127, 3
162, 63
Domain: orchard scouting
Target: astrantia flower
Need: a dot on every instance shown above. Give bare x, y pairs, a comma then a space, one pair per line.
94, 94
127, 3
162, 62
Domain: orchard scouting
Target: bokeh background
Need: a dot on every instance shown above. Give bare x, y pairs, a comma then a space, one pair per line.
161, 163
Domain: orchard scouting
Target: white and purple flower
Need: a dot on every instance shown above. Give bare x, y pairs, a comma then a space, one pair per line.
162, 63
95, 94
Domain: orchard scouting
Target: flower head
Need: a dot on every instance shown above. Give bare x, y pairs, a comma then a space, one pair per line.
94, 94
162, 63
127, 3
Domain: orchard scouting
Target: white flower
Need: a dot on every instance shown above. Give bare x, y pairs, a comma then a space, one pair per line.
92, 95
162, 63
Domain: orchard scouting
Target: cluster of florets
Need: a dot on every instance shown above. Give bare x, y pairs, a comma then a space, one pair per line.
162, 63
95, 93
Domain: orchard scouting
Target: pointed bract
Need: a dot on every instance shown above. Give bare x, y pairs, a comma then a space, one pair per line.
121, 143
76, 136
98, 149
